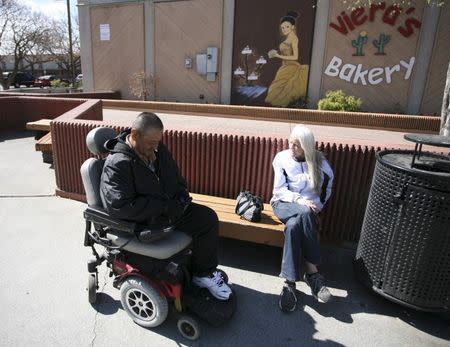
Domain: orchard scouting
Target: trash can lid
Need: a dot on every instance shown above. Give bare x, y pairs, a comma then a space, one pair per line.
427, 139
428, 164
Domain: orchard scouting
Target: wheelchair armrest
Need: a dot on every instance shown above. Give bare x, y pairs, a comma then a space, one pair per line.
156, 232
144, 233
98, 215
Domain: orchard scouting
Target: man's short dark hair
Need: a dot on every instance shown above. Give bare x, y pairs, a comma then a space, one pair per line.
147, 121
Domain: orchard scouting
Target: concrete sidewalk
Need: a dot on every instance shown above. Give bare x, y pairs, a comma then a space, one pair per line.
43, 273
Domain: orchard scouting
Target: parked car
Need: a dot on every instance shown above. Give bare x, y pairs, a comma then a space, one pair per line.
21, 79
45, 81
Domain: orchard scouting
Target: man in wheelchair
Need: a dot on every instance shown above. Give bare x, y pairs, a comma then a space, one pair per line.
141, 183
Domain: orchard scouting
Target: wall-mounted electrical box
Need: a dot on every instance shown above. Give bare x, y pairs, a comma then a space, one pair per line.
188, 63
211, 63
201, 64
207, 64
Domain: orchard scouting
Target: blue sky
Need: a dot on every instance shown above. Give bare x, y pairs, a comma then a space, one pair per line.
53, 8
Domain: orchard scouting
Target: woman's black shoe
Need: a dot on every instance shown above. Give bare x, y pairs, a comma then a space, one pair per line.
288, 298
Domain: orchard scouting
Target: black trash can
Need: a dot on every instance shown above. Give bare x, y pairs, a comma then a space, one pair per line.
404, 249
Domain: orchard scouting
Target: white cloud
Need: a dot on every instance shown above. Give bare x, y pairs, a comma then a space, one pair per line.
53, 8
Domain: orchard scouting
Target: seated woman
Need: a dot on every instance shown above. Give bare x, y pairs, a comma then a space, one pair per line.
302, 184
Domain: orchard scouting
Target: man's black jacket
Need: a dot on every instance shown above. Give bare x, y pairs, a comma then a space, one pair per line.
130, 190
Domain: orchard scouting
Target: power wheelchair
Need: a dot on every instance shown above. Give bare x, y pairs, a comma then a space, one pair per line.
150, 266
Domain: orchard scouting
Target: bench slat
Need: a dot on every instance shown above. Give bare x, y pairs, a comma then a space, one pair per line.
44, 144
40, 125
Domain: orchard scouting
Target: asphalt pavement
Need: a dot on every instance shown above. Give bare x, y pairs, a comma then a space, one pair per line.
43, 300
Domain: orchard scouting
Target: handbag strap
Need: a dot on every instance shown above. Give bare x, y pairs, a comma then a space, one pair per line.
240, 204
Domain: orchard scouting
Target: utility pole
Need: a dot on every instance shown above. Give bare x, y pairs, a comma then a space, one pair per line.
72, 66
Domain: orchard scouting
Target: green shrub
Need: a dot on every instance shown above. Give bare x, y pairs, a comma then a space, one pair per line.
58, 83
299, 103
336, 100
55, 83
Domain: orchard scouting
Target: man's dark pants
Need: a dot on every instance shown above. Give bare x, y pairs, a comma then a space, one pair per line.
202, 224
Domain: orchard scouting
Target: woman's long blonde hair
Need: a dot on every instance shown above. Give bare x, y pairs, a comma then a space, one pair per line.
312, 156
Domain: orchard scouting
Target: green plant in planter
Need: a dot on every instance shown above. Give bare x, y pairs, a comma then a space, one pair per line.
336, 100
299, 103
78, 85
58, 83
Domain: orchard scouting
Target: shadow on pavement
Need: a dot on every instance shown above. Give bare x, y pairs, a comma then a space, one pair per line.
258, 319
13, 135
106, 305
256, 322
337, 267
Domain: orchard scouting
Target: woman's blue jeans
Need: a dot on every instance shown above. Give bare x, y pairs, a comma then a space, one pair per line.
300, 237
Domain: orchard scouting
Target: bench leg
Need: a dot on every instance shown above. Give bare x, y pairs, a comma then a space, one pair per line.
38, 134
47, 157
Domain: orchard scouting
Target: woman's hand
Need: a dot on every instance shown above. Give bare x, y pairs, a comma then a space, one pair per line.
305, 202
273, 53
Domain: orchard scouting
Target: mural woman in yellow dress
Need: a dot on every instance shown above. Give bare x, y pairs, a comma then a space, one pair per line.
291, 80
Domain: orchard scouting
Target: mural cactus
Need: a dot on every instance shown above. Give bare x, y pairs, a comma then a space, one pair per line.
359, 43
382, 41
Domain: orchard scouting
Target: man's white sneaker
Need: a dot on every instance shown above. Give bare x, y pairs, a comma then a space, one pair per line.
215, 284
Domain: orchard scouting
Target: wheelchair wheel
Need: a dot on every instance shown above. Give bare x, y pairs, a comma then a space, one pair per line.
224, 275
143, 303
188, 327
92, 287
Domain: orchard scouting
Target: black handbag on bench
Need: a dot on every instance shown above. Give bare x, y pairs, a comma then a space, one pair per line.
249, 206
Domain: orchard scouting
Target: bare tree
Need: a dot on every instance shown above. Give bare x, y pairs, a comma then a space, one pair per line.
23, 34
58, 47
8, 11
29, 38
445, 112
142, 85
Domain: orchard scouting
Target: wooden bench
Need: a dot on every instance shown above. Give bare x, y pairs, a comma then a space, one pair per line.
44, 145
40, 127
268, 231
43, 137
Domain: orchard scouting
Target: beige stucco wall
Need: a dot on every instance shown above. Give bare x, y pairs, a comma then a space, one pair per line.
387, 77
116, 59
182, 30
158, 36
433, 94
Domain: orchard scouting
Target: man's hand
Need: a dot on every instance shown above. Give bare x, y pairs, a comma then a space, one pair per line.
306, 202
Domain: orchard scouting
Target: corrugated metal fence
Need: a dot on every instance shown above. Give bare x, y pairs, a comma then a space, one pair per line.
222, 165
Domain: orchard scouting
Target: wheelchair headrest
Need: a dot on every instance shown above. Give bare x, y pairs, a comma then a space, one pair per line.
96, 138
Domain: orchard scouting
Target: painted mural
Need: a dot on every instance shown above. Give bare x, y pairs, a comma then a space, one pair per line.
272, 50
371, 52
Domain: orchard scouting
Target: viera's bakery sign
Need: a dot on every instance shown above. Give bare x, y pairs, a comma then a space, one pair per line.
357, 74
387, 22
391, 15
